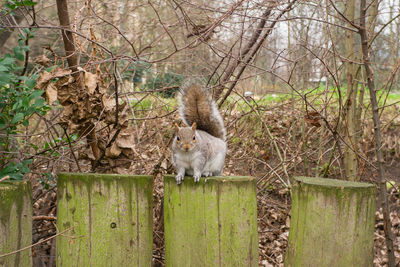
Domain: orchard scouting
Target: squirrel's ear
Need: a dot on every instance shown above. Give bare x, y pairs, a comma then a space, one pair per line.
194, 125
176, 127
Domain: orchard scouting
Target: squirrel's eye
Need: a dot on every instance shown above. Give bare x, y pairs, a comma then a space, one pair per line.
194, 137
177, 138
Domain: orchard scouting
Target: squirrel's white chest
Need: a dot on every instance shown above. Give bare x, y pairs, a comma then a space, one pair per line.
186, 159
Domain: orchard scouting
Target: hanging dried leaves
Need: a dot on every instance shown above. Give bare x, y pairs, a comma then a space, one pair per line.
90, 82
313, 118
42, 60
114, 151
51, 93
90, 112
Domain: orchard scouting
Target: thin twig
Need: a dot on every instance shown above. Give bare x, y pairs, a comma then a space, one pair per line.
37, 243
4, 178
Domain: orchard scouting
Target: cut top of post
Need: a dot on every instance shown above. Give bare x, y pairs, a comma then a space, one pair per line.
11, 191
13, 184
326, 182
215, 179
90, 176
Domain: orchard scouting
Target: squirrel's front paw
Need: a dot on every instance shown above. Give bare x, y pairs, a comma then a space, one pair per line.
196, 177
179, 178
207, 174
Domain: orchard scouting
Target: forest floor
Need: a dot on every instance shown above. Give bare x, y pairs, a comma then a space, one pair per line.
251, 152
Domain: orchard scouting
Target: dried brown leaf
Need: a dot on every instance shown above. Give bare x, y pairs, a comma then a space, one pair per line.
43, 79
114, 151
68, 110
51, 93
58, 73
108, 102
42, 60
46, 77
121, 170
126, 139
90, 82
312, 118
128, 152
164, 164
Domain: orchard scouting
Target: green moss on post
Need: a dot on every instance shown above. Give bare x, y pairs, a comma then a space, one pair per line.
15, 222
210, 223
110, 217
332, 223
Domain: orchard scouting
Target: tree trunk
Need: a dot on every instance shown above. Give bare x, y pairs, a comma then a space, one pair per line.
332, 223
350, 157
68, 37
377, 134
15, 223
110, 217
211, 223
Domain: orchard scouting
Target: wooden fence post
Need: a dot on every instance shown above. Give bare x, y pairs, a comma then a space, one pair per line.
110, 217
211, 223
332, 223
15, 223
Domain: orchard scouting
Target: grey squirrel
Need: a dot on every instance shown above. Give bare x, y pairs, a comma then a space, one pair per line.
199, 148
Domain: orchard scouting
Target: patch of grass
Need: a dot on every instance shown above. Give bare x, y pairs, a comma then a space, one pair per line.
240, 105
315, 95
141, 104
152, 105
393, 97
235, 140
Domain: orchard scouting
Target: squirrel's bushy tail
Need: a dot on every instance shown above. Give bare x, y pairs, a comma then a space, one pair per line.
196, 105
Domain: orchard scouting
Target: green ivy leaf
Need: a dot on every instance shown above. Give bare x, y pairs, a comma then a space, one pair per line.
18, 117
10, 6
16, 176
10, 168
39, 103
35, 94
24, 169
25, 48
18, 100
17, 105
30, 83
18, 53
28, 161
28, 3
4, 78
7, 60
25, 102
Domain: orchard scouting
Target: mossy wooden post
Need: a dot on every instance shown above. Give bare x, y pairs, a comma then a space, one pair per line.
15, 223
109, 217
210, 223
332, 223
